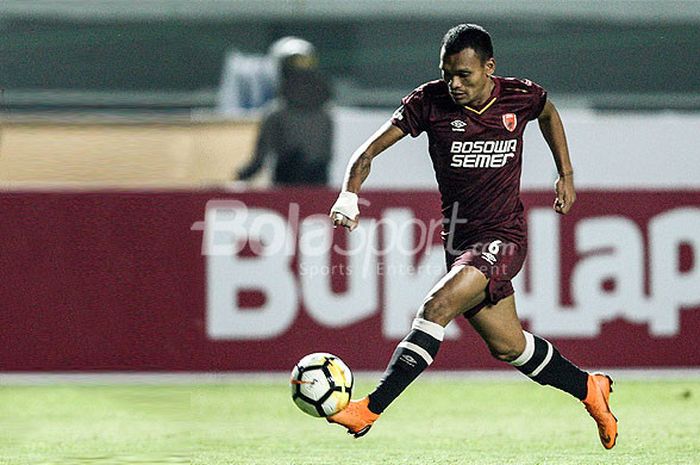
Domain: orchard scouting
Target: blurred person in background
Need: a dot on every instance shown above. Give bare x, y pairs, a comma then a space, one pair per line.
296, 129
247, 84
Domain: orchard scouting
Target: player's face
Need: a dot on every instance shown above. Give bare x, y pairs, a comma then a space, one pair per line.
467, 76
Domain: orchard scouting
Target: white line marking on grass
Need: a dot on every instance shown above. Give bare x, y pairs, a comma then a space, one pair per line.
268, 377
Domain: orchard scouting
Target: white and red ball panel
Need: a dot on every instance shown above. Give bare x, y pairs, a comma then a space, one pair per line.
321, 384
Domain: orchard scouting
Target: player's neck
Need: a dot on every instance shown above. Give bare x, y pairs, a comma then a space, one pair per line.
484, 96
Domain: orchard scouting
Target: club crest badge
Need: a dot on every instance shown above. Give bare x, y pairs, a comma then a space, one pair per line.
510, 121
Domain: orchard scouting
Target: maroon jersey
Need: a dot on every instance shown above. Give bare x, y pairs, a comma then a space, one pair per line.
476, 154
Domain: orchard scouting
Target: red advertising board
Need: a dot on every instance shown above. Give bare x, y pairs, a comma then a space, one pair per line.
214, 280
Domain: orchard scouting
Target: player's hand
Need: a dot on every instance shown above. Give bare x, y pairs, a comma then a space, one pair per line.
566, 195
345, 211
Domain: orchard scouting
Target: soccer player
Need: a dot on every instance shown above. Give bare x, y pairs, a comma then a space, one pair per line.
475, 122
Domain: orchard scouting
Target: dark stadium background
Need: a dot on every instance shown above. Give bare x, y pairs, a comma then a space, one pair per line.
603, 56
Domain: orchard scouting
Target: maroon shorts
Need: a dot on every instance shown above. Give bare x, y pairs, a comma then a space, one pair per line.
498, 260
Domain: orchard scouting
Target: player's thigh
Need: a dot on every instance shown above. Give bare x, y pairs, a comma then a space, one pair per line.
500, 328
460, 289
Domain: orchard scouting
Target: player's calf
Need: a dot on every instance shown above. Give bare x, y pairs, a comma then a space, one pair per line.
412, 356
543, 363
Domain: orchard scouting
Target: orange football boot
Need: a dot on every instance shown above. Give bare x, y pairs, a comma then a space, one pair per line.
356, 417
597, 404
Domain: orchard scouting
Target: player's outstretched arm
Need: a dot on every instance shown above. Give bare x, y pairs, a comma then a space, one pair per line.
553, 132
345, 211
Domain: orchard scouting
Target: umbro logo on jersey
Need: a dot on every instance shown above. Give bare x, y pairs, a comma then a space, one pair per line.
458, 125
510, 121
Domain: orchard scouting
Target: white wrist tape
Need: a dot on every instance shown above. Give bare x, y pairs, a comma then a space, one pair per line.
346, 205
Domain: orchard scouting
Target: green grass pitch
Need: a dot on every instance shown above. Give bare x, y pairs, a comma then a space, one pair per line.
437, 421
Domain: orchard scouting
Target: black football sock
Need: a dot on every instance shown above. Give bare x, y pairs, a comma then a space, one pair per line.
413, 355
542, 362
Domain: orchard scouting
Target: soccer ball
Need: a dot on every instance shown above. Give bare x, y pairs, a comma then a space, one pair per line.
321, 384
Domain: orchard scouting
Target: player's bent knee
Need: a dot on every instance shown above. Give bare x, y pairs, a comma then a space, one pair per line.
505, 354
436, 310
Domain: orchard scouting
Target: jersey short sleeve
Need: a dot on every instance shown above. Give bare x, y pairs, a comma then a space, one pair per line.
409, 117
539, 99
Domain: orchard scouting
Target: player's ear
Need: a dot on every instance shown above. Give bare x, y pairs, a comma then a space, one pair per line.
490, 66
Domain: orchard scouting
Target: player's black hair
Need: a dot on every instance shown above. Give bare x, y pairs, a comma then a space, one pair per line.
468, 36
